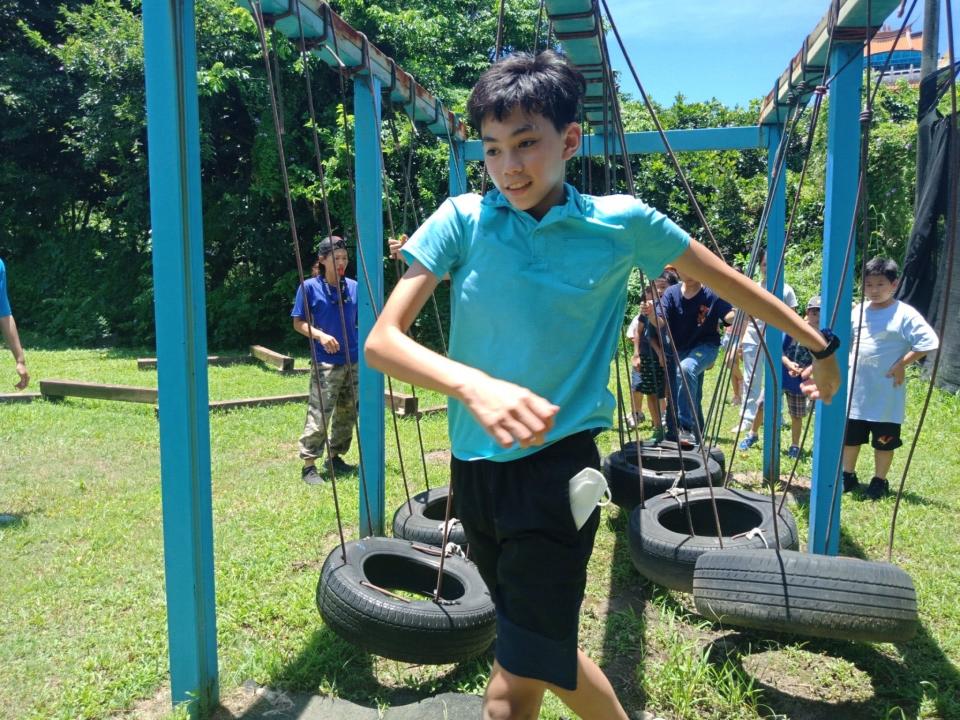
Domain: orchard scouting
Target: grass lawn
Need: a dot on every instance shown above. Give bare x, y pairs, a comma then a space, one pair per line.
82, 611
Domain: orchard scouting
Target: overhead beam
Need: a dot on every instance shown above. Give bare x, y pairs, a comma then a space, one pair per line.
333, 40
806, 68
748, 137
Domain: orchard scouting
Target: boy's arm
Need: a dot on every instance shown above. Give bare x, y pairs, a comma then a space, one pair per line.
329, 342
897, 371
8, 326
747, 295
507, 412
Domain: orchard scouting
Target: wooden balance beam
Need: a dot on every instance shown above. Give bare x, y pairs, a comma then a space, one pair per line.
20, 397
217, 360
283, 363
59, 389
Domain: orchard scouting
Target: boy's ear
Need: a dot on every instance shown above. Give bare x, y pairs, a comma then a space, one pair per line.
572, 137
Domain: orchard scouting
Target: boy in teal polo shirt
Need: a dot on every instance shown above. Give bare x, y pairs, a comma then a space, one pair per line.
538, 277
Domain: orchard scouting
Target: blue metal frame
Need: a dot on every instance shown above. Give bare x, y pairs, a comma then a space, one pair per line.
776, 228
639, 143
843, 172
369, 201
173, 139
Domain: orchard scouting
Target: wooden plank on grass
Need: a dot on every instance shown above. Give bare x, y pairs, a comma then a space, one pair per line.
20, 397
433, 410
271, 358
403, 404
59, 389
258, 402
218, 360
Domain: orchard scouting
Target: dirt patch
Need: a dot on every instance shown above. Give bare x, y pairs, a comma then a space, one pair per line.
437, 456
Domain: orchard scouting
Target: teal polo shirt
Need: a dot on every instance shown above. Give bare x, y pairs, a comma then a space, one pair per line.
540, 304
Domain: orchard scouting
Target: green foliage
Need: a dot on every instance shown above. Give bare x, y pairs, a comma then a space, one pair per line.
74, 204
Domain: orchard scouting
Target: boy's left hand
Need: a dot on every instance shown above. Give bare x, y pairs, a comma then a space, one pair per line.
822, 379
898, 372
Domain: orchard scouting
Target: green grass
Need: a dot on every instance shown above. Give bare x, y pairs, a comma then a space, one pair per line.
82, 610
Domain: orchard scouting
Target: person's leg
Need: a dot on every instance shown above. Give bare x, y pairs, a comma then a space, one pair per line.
673, 398
653, 407
850, 455
882, 460
319, 409
753, 389
692, 367
346, 386
594, 698
796, 429
511, 697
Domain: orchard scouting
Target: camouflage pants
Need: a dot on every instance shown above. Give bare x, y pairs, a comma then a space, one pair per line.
332, 402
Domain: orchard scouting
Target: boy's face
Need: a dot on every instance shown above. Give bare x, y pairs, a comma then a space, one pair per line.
526, 156
661, 285
335, 263
812, 316
879, 289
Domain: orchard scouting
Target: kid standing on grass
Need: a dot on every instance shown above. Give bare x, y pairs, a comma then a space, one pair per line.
796, 358
332, 300
538, 275
892, 335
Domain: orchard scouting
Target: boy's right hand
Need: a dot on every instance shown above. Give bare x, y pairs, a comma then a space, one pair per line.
395, 244
509, 413
329, 343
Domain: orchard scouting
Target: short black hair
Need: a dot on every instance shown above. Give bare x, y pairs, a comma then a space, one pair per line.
544, 83
882, 266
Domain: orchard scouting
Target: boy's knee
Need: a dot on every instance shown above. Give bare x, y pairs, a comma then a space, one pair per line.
510, 709
512, 697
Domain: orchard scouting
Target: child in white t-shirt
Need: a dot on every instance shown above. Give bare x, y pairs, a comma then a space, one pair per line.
891, 335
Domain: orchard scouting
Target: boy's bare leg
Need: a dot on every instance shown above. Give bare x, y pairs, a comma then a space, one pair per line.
653, 405
594, 698
882, 460
796, 429
512, 697
850, 455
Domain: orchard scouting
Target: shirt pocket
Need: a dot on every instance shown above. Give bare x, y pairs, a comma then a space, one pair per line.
581, 262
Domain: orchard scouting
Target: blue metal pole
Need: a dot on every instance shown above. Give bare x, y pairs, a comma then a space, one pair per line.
843, 172
776, 227
173, 139
369, 199
457, 182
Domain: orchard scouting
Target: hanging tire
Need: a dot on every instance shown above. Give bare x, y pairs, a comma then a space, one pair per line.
422, 520
660, 470
664, 551
410, 630
841, 598
714, 452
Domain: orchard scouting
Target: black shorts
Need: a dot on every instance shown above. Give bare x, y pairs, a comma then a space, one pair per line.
521, 534
886, 436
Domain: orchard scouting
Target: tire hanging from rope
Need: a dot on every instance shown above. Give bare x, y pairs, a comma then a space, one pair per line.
458, 614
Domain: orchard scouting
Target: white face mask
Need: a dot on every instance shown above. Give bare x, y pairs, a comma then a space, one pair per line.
588, 488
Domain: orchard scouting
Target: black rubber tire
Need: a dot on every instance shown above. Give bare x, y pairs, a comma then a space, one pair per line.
418, 631
841, 598
663, 550
660, 469
424, 523
714, 452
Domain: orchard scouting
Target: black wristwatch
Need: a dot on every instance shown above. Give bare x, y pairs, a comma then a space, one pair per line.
833, 342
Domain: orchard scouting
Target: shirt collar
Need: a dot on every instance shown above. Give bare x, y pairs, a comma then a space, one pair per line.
571, 207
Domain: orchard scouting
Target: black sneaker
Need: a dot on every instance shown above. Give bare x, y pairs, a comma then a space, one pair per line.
340, 467
877, 488
850, 482
310, 475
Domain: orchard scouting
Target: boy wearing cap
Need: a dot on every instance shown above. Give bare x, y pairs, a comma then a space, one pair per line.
329, 320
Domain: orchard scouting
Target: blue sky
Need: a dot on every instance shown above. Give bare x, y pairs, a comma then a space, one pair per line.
731, 50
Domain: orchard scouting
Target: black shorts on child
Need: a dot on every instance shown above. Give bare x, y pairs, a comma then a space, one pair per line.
522, 536
886, 436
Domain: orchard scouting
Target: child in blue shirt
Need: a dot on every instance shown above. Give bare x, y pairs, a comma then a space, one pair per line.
8, 329
538, 275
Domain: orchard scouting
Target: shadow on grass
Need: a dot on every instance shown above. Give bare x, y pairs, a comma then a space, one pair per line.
12, 521
625, 630
330, 667
899, 685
